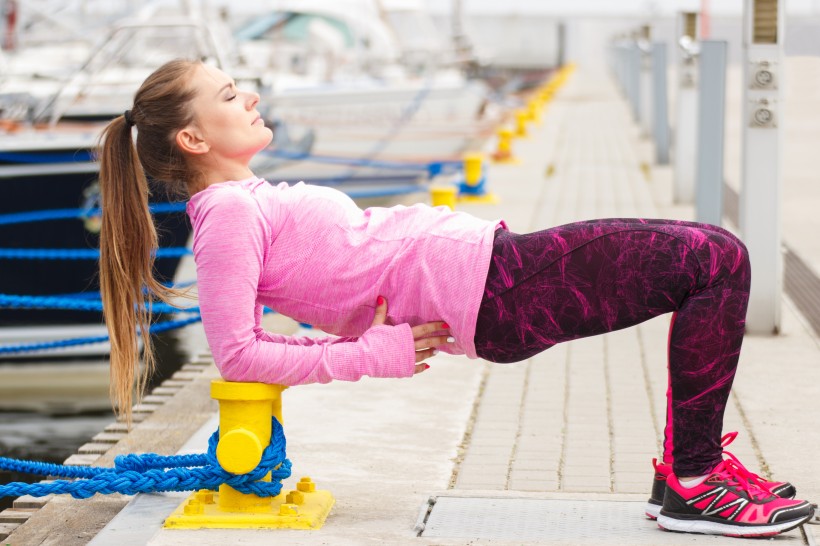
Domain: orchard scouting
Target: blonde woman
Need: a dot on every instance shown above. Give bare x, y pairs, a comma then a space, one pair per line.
395, 285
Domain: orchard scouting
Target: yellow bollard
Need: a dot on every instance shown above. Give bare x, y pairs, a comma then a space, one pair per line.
534, 111
521, 123
443, 195
245, 411
472, 169
473, 188
503, 152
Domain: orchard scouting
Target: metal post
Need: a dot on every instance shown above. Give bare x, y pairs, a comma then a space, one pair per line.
561, 39
685, 150
645, 97
711, 115
634, 79
623, 68
660, 117
761, 154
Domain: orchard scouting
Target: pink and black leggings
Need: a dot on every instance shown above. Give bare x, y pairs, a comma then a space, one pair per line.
588, 278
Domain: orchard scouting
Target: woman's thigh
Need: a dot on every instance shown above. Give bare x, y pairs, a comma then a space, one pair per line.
580, 280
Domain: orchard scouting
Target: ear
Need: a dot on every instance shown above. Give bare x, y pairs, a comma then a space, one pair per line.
190, 141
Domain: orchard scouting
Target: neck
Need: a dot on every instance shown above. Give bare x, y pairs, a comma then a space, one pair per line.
218, 175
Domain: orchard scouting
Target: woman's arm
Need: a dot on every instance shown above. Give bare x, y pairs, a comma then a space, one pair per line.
292, 340
232, 237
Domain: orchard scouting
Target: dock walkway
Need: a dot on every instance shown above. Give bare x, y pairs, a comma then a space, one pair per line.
553, 450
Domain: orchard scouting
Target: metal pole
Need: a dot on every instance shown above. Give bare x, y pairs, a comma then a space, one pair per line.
660, 116
761, 156
711, 115
634, 79
685, 150
645, 98
623, 68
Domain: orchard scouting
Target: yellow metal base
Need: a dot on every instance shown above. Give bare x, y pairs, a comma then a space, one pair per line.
487, 198
509, 160
294, 510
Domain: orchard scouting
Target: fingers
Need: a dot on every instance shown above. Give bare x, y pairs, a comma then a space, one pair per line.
428, 328
381, 311
426, 346
432, 342
425, 353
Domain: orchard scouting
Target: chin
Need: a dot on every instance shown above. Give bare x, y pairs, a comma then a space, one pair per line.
265, 141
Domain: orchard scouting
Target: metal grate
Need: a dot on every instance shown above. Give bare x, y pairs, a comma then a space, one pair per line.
690, 25
764, 29
557, 521
550, 521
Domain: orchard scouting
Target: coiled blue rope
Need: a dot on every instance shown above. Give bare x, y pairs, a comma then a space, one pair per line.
152, 473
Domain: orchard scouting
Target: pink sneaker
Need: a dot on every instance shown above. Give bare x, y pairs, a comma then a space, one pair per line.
729, 503
784, 490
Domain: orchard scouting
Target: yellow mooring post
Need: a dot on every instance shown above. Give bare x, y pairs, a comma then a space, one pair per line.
443, 195
503, 152
534, 110
245, 411
472, 169
473, 189
521, 117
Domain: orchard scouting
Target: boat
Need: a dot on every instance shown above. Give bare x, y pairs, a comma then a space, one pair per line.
50, 221
372, 129
380, 99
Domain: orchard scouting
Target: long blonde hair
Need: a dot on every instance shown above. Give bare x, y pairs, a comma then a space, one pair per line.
128, 238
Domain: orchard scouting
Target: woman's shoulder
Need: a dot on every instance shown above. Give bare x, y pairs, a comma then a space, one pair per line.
228, 198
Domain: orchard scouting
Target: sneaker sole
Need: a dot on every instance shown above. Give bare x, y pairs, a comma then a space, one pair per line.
714, 528
653, 510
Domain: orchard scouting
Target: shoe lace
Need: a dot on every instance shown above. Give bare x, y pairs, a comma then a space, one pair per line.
733, 471
736, 475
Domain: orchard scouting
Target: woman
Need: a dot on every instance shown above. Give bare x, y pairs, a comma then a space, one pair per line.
453, 282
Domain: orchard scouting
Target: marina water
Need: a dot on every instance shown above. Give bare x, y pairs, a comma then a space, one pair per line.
49, 436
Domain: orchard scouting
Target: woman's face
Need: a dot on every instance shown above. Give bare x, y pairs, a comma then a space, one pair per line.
225, 117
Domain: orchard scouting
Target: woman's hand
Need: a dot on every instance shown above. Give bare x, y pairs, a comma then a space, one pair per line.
425, 341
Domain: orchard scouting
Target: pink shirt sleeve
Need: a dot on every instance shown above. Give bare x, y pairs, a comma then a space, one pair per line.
230, 244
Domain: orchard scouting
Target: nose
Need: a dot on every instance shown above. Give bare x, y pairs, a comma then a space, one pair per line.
252, 100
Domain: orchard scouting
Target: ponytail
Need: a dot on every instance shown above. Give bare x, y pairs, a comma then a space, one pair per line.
128, 238
128, 241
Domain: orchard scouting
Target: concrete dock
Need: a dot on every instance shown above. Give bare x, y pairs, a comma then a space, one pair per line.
553, 450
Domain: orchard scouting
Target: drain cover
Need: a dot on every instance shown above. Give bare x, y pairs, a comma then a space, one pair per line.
550, 520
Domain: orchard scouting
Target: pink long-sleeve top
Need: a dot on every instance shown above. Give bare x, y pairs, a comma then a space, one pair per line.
312, 254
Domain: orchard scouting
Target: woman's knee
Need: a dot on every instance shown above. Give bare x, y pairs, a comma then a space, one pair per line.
733, 257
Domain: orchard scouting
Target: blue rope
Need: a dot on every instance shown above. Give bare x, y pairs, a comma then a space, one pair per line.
396, 190
76, 303
80, 156
154, 329
67, 214
152, 473
85, 304
77, 253
434, 166
407, 114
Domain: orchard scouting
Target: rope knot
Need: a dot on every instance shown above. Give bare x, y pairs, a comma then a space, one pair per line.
152, 473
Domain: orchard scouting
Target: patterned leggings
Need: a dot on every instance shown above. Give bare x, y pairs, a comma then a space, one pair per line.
593, 277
